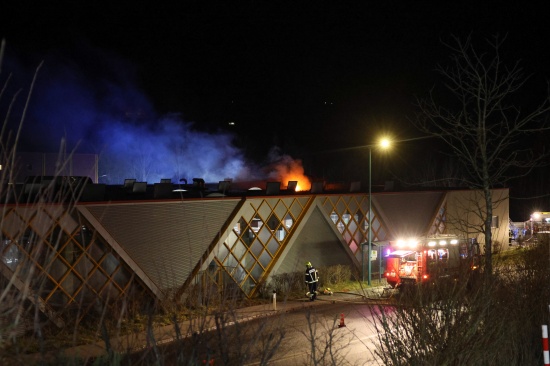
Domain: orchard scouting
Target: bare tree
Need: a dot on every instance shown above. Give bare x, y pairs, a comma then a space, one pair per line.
29, 259
327, 346
482, 123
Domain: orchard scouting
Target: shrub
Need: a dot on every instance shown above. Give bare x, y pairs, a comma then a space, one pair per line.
453, 324
332, 275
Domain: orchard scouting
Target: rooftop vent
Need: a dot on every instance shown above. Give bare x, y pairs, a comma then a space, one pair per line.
292, 184
198, 183
273, 188
317, 187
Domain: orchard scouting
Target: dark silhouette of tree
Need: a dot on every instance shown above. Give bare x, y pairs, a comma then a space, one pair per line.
479, 114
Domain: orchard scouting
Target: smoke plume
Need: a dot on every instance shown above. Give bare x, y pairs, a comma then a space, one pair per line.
95, 106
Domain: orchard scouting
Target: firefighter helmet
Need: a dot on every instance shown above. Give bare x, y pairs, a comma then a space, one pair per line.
308, 264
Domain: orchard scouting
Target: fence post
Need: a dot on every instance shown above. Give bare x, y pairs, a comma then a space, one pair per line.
545, 345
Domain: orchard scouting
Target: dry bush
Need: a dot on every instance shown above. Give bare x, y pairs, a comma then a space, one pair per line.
288, 284
264, 290
292, 284
214, 336
199, 296
497, 247
332, 275
455, 324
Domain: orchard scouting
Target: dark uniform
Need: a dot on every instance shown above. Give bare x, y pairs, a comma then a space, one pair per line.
312, 277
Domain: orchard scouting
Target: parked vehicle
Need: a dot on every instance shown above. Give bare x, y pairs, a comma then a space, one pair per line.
393, 265
539, 223
422, 260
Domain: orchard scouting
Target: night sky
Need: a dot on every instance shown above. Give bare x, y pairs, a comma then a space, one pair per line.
305, 77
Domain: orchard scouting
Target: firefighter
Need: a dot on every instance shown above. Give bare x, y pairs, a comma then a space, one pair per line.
312, 277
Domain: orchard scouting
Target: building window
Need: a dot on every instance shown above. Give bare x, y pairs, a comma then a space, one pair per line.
340, 227
346, 217
256, 223
288, 221
280, 234
494, 222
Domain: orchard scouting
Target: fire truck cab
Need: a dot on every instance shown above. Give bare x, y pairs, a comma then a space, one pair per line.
422, 260
539, 223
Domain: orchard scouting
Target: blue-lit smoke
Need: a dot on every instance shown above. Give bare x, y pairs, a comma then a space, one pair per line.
99, 110
167, 149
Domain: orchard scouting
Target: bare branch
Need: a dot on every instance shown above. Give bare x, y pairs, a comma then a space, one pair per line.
478, 118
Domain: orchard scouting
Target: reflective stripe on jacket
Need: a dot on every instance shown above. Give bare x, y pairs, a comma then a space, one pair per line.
311, 275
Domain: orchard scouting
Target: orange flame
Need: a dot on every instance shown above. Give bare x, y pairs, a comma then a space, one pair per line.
288, 169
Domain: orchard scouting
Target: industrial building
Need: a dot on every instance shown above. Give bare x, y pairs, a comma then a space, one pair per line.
69, 242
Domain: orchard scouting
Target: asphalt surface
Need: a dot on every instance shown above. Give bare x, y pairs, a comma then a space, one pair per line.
165, 334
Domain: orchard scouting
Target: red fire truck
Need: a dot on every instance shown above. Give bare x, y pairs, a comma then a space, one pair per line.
539, 223
428, 259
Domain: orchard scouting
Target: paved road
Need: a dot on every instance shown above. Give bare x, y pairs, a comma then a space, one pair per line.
352, 344
287, 316
298, 331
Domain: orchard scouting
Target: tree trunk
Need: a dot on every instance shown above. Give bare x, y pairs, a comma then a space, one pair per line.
488, 233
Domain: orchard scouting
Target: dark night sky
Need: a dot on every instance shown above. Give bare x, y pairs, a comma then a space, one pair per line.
283, 71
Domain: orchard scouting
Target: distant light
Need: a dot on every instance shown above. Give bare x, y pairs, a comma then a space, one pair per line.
231, 123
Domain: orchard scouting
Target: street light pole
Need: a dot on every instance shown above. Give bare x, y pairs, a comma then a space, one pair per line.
369, 264
369, 235
384, 143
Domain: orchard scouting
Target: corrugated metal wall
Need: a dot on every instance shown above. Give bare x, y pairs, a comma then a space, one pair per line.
408, 214
316, 242
166, 240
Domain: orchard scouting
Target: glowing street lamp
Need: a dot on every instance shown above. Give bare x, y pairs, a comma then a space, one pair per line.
384, 143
